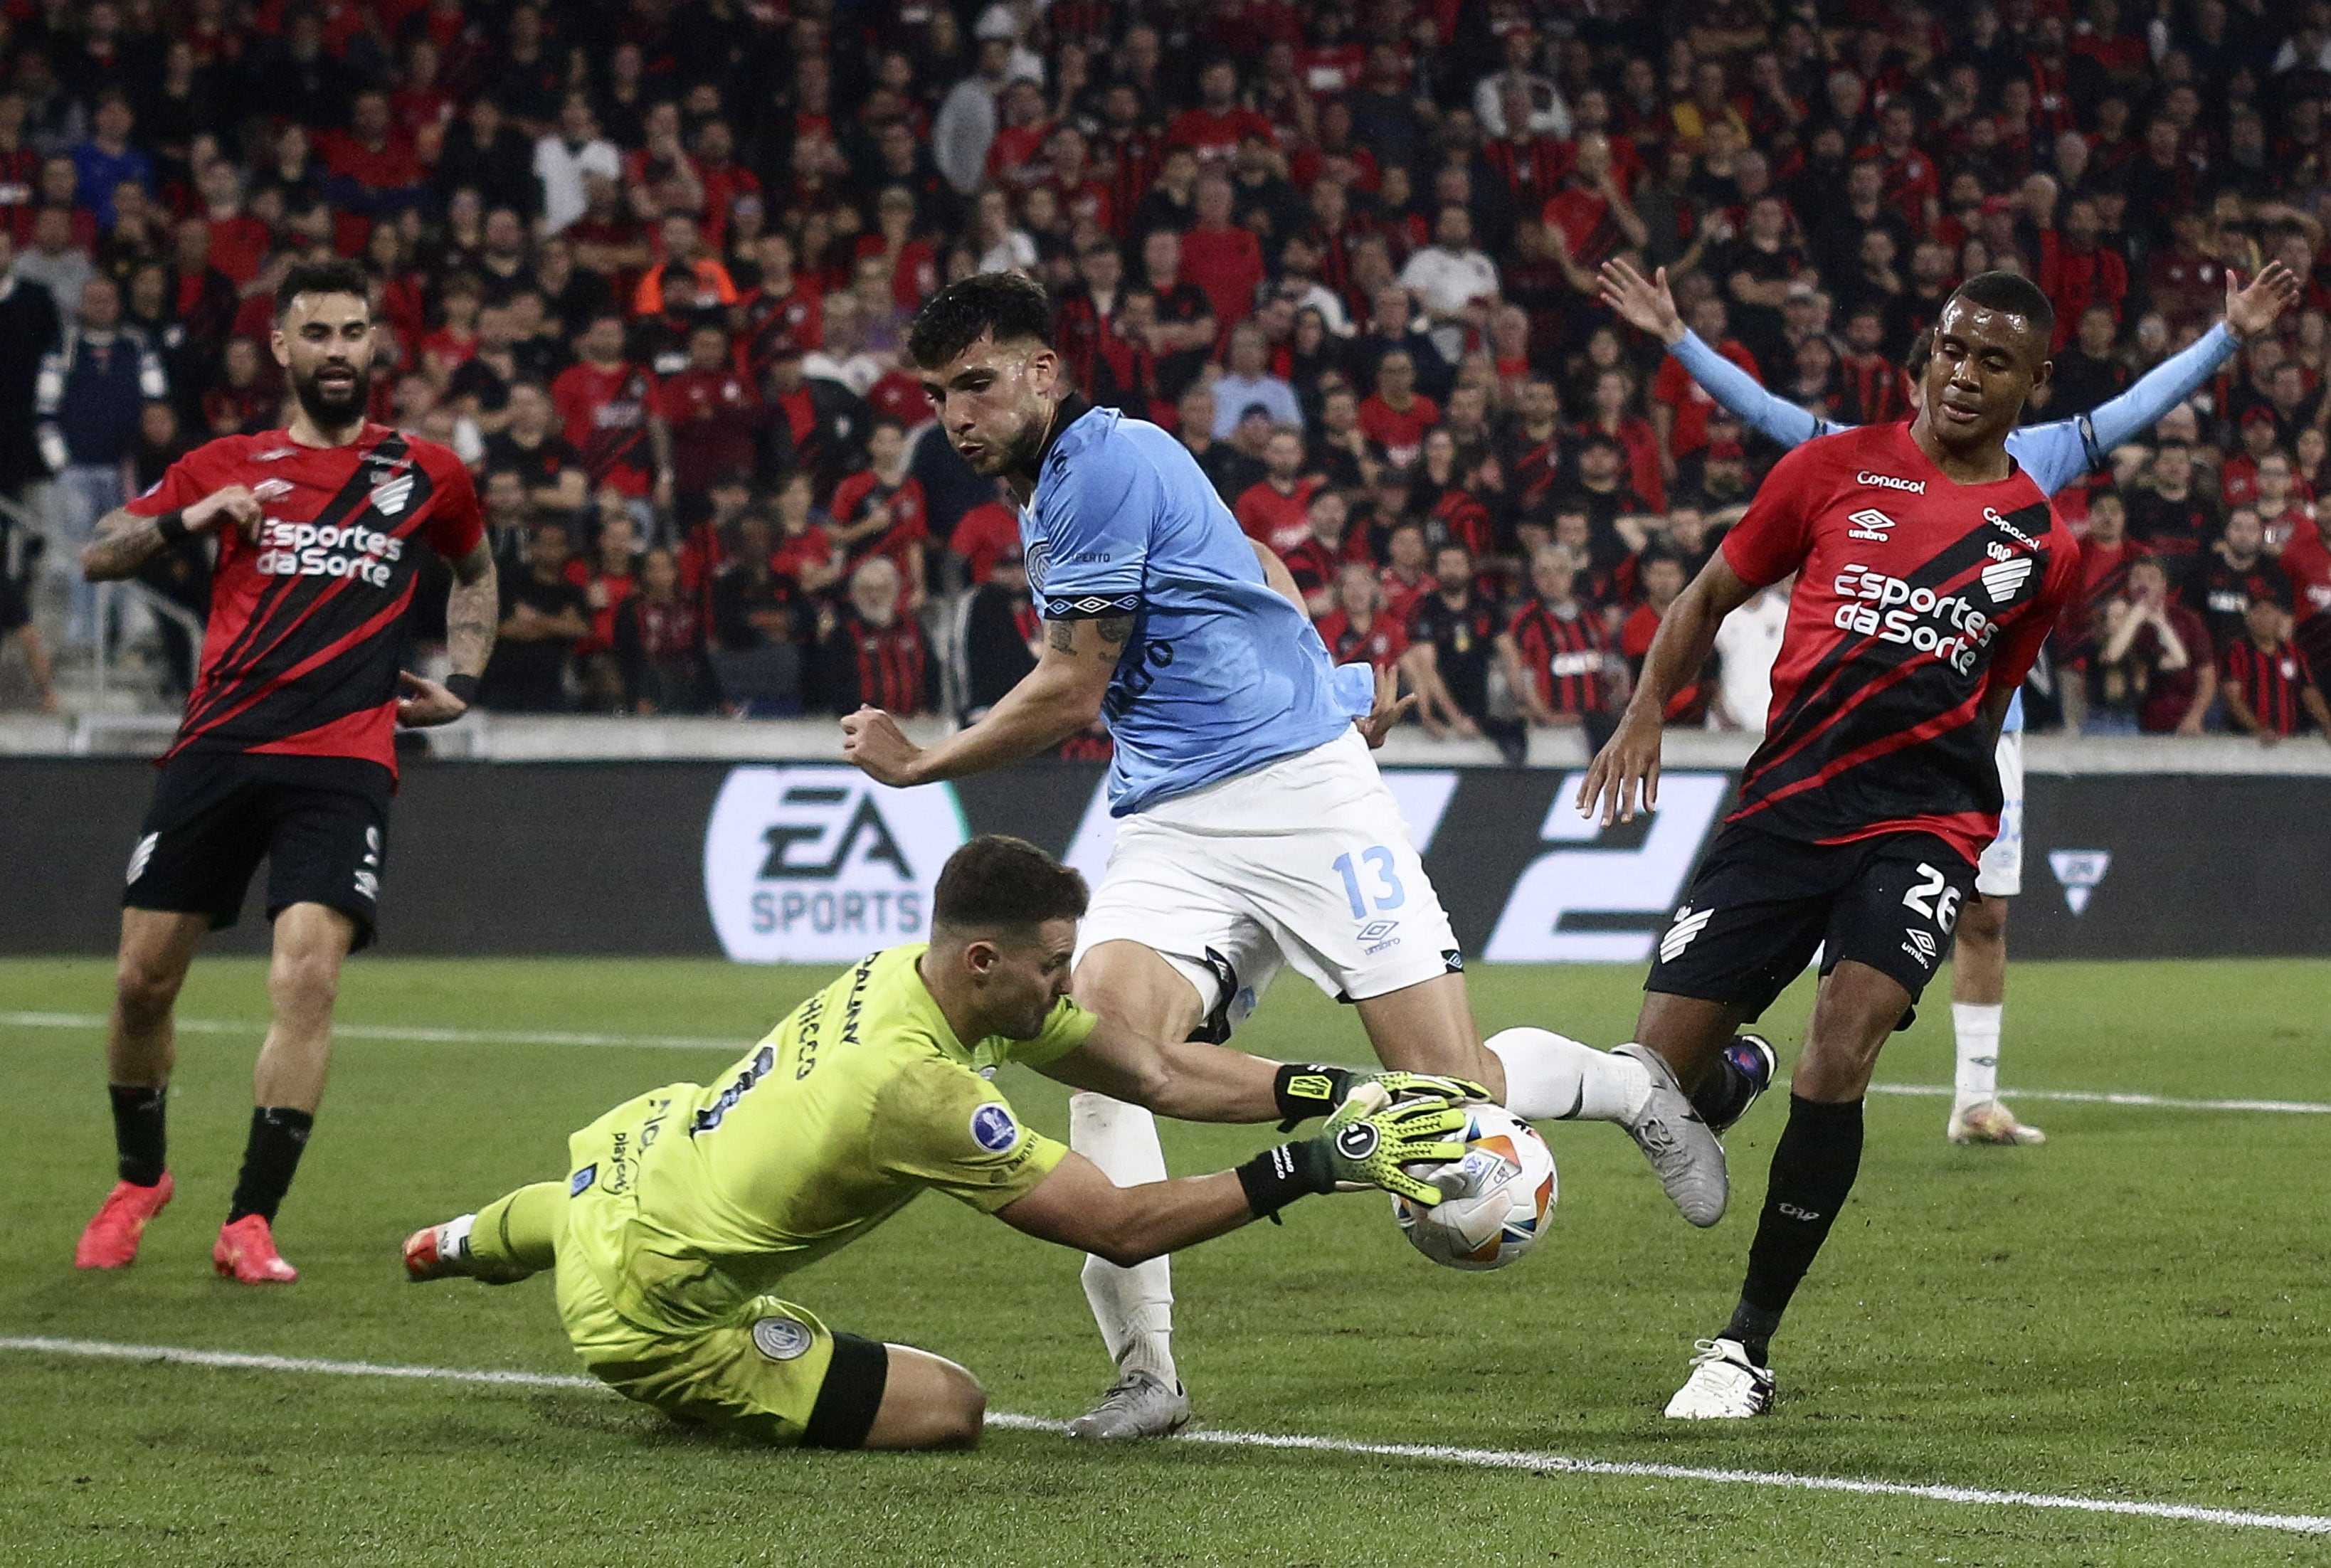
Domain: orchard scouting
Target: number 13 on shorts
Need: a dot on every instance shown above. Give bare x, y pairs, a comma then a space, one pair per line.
1385, 892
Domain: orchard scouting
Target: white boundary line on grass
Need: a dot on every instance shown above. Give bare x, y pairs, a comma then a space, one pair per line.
1429, 1453
428, 1036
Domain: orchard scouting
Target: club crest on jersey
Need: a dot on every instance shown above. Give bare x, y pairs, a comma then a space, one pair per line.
1870, 523
2002, 579
390, 496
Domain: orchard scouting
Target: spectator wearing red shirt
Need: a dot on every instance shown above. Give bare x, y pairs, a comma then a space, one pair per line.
607, 576
909, 261
1679, 404
2268, 682
803, 552
2155, 660
1220, 258
373, 170
1590, 215
715, 414
2306, 561
1330, 544
1912, 182
2107, 553
781, 309
1213, 128
1554, 646
1662, 578
239, 242
1407, 577
876, 655
982, 534
2076, 273
611, 409
1395, 415
1359, 626
1277, 511
880, 512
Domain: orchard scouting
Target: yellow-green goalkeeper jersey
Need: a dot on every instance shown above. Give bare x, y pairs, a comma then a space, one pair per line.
859, 1100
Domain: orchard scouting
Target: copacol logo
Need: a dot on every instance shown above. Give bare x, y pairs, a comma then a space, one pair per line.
816, 863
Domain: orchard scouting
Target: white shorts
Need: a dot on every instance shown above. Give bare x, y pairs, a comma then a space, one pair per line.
2000, 873
1304, 861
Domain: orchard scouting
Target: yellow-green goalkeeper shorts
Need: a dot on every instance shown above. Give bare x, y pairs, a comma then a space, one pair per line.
677, 1335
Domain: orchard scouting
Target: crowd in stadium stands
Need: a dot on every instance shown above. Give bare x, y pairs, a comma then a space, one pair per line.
647, 266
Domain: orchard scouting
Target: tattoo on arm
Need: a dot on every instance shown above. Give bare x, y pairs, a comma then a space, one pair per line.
472, 612
1113, 630
122, 543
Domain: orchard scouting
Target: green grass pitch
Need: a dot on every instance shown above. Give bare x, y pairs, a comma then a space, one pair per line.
2136, 1311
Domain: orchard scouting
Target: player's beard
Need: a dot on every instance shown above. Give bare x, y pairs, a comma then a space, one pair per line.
1019, 456
333, 408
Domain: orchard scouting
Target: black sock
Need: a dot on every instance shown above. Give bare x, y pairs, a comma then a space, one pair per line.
139, 1134
1724, 1093
1813, 1169
278, 1134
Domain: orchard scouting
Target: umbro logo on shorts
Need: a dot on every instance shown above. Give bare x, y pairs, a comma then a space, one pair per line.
1920, 946
140, 855
1688, 925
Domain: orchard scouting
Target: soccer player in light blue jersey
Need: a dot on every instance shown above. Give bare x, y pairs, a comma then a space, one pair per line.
2054, 454
1253, 829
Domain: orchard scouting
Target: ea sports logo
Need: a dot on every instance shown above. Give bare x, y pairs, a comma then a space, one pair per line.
816, 863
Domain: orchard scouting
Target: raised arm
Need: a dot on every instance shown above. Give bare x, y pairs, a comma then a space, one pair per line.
2249, 311
1648, 304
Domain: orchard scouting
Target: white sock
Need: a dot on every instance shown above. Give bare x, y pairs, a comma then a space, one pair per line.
1550, 1077
1975, 1026
1134, 1307
453, 1238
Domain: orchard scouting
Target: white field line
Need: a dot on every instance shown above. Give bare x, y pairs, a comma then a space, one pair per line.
427, 1036
1427, 1453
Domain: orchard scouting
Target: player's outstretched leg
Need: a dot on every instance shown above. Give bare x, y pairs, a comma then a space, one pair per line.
513, 1238
156, 946
1978, 998
1813, 1169
311, 942
1134, 1307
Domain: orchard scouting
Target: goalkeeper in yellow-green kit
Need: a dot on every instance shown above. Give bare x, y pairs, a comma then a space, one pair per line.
682, 1208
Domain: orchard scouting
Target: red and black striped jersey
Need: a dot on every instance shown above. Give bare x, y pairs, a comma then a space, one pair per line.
1917, 597
302, 652
1564, 654
2271, 679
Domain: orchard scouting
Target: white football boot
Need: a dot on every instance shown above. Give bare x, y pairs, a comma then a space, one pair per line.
1992, 1123
1139, 1404
1723, 1385
1679, 1145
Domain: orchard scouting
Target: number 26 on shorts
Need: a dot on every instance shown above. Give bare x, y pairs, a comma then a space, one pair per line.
1379, 861
1942, 910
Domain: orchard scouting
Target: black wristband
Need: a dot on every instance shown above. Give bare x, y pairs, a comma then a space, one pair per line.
1308, 1090
464, 686
171, 525
1277, 1177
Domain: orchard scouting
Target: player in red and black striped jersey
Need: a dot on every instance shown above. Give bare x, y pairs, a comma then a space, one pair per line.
1930, 569
287, 748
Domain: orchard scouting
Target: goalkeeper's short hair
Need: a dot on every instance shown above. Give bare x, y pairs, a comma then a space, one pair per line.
997, 881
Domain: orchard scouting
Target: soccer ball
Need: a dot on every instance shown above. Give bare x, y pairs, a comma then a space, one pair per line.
1498, 1197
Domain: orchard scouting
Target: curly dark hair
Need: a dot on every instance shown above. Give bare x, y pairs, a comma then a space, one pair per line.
1005, 304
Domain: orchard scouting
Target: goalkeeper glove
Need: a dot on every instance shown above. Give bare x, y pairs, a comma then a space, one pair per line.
1364, 1145
1313, 1090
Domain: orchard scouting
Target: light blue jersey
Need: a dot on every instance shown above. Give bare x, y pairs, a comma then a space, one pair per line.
2054, 454
1222, 674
